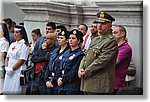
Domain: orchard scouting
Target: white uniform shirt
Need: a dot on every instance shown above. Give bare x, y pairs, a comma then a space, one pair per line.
17, 50
4, 44
86, 42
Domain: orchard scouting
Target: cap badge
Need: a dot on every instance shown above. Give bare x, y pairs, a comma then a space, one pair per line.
74, 32
60, 57
63, 33
101, 15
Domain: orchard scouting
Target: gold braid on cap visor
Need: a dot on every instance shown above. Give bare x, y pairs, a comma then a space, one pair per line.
104, 19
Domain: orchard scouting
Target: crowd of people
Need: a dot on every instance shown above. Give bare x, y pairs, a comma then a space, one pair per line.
65, 62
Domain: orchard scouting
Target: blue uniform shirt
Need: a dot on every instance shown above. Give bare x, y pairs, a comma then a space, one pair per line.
54, 65
69, 70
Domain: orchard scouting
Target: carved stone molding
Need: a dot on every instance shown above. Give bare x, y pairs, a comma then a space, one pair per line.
129, 13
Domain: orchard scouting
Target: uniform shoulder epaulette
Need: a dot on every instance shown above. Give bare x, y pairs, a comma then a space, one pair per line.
27, 44
111, 36
6, 40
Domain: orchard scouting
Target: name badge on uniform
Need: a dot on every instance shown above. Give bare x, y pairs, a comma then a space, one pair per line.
63, 72
71, 57
53, 74
60, 57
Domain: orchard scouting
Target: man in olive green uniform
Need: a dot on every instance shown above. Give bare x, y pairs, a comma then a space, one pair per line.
97, 68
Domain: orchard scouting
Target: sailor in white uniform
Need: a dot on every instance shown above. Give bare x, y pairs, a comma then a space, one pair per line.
15, 61
4, 44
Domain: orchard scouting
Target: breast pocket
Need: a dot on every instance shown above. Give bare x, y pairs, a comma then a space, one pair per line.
67, 65
96, 51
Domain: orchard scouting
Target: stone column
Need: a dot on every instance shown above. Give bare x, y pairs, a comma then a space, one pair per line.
76, 15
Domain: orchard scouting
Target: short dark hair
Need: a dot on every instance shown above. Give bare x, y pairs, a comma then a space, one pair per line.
52, 24
9, 22
84, 25
37, 31
5, 31
122, 29
62, 27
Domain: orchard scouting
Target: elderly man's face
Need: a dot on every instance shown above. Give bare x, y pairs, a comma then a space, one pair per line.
103, 27
50, 38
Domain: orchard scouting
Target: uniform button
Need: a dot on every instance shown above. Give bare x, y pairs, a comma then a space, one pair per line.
98, 76
95, 62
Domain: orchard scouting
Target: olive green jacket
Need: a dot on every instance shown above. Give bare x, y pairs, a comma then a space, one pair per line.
99, 64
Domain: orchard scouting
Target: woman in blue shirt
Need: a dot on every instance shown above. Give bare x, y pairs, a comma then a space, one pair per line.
54, 63
68, 81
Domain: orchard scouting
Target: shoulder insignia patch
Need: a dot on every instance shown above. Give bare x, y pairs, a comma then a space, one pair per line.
6, 40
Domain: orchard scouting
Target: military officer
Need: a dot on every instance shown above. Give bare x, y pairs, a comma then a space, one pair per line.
97, 67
